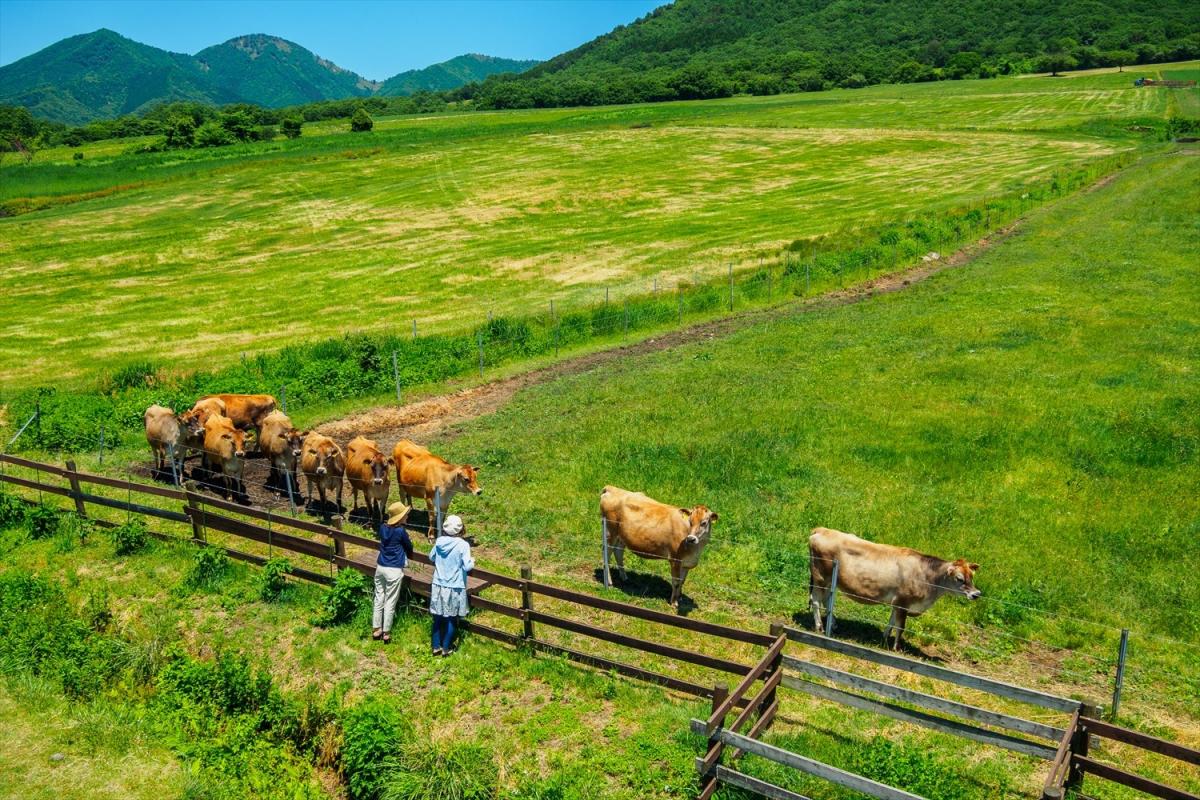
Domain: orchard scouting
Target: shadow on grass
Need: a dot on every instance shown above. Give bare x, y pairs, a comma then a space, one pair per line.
641, 584
861, 632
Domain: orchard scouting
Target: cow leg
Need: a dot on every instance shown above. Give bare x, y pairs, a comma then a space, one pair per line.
618, 549
901, 620
817, 597
887, 631
678, 576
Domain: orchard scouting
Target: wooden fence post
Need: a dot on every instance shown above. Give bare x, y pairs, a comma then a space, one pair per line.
709, 782
776, 665
339, 547
197, 525
829, 600
526, 603
76, 494
1079, 747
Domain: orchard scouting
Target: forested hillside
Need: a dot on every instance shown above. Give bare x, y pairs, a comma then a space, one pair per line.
714, 48
451, 74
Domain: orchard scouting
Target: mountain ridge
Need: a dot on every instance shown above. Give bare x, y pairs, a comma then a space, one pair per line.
103, 75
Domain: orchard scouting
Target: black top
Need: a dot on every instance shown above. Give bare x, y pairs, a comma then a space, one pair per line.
395, 548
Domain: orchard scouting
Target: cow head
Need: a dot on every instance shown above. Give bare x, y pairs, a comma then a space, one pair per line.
958, 577
328, 457
232, 444
700, 520
295, 443
465, 479
378, 464
193, 424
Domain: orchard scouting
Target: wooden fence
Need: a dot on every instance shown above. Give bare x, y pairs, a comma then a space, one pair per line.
1072, 762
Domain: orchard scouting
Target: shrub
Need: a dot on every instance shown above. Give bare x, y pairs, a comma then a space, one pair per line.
12, 510
227, 685
273, 578
209, 567
42, 522
77, 156
291, 127
346, 598
373, 731
361, 121
96, 612
141, 373
457, 771
130, 537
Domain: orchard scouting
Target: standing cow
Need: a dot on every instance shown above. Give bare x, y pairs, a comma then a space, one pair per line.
282, 444
656, 530
166, 434
193, 420
883, 574
225, 453
323, 465
421, 474
246, 410
367, 472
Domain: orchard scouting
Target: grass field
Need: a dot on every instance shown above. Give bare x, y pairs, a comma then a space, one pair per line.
191, 259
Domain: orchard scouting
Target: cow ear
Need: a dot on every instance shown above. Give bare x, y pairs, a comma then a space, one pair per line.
974, 567
687, 512
715, 516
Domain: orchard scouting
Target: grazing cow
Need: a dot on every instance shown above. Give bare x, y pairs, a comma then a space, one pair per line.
194, 419
419, 473
323, 466
367, 472
281, 443
882, 574
225, 453
166, 434
246, 410
656, 530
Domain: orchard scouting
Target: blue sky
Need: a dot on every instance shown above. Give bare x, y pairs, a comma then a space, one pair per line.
375, 38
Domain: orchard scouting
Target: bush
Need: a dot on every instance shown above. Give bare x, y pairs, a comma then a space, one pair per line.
77, 156
12, 510
41, 521
96, 612
456, 771
273, 578
130, 537
209, 567
373, 732
361, 121
345, 599
213, 134
291, 127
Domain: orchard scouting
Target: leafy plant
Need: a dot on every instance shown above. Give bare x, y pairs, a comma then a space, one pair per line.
346, 598
12, 510
96, 611
272, 580
130, 536
373, 732
209, 567
42, 522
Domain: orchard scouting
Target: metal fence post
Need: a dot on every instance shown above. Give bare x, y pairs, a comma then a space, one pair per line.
437, 511
679, 295
414, 329
731, 286
100, 454
829, 600
396, 375
1120, 681
283, 397
479, 337
604, 550
175, 467
807, 273
627, 315
526, 603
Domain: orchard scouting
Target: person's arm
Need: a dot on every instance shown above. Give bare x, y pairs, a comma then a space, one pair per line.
468, 562
406, 542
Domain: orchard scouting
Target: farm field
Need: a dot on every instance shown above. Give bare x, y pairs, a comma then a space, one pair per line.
444, 219
1035, 404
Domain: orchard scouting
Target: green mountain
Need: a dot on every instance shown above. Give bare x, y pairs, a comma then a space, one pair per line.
713, 48
273, 72
102, 74
451, 74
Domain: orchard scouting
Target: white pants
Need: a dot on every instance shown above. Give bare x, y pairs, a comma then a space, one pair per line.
387, 592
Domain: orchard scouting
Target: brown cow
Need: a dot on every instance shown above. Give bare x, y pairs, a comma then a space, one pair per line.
246, 410
656, 530
323, 466
883, 574
225, 452
281, 443
367, 472
419, 473
194, 419
166, 435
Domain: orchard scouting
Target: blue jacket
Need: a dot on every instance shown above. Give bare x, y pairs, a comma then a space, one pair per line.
452, 561
395, 548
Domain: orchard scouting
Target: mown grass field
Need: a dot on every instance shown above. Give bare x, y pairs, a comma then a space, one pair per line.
191, 259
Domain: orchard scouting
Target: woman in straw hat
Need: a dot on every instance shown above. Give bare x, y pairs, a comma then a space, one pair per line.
395, 548
451, 556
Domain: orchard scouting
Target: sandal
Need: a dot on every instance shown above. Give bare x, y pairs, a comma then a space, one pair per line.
386, 638
377, 633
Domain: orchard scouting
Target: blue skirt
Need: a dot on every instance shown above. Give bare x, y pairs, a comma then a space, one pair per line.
447, 602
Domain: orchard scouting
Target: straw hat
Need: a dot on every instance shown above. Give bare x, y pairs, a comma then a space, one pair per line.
397, 512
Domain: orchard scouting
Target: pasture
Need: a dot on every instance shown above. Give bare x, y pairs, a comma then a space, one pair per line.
193, 258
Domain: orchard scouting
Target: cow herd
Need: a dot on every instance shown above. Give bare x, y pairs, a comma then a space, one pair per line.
216, 427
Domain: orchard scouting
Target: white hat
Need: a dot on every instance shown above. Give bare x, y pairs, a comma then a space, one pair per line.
452, 526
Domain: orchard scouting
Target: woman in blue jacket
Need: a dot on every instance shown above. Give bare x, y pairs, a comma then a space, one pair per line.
395, 548
451, 556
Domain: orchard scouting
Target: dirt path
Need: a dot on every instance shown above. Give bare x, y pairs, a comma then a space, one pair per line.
437, 416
